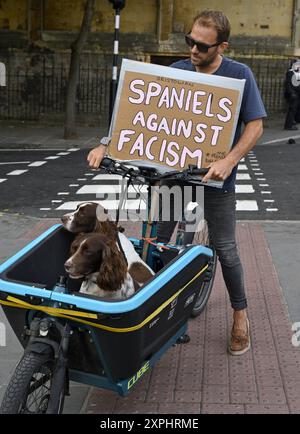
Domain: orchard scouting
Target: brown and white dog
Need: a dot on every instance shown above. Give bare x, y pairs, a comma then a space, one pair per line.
90, 217
87, 248
97, 259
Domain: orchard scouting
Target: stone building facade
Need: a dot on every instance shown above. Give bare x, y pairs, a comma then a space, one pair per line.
36, 35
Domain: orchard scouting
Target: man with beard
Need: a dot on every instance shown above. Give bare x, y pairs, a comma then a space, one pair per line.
207, 41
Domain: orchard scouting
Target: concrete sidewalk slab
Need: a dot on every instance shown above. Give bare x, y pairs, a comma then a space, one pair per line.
201, 377
29, 136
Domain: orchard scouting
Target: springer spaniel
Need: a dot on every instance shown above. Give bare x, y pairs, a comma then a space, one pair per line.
90, 218
97, 258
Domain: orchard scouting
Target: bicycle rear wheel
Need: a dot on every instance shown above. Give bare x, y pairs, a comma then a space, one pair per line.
201, 236
206, 286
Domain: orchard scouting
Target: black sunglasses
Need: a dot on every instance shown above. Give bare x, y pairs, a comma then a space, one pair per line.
201, 47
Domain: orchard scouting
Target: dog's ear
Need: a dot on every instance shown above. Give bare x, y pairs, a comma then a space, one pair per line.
113, 269
107, 228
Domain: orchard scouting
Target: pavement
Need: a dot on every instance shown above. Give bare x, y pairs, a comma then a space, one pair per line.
198, 377
32, 135
25, 135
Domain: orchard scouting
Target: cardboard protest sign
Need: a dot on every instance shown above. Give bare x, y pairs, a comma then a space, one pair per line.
172, 117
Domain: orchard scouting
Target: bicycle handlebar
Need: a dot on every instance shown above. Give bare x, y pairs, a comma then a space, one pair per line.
137, 169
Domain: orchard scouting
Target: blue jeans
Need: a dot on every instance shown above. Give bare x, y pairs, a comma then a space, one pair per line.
219, 212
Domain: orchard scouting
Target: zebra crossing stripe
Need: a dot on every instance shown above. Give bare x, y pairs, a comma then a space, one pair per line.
37, 163
13, 163
107, 178
247, 188
246, 205
17, 172
108, 204
109, 189
243, 177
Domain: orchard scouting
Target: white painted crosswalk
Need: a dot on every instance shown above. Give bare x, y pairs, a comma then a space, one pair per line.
253, 193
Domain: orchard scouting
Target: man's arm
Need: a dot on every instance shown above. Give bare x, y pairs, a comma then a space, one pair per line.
220, 170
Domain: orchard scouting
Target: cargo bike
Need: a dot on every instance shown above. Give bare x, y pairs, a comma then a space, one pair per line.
70, 336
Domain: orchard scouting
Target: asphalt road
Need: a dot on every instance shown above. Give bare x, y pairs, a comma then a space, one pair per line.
45, 183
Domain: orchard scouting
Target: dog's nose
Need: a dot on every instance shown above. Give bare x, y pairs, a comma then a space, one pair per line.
67, 266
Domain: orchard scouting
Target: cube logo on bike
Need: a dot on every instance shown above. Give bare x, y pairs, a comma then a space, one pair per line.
138, 375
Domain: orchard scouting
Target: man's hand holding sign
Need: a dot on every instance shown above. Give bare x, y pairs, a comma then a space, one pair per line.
221, 169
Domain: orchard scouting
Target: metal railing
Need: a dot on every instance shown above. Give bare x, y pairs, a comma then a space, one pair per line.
269, 73
39, 92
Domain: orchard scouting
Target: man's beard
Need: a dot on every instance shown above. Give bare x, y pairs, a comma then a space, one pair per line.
203, 62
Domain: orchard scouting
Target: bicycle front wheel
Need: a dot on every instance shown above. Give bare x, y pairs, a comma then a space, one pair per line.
28, 391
